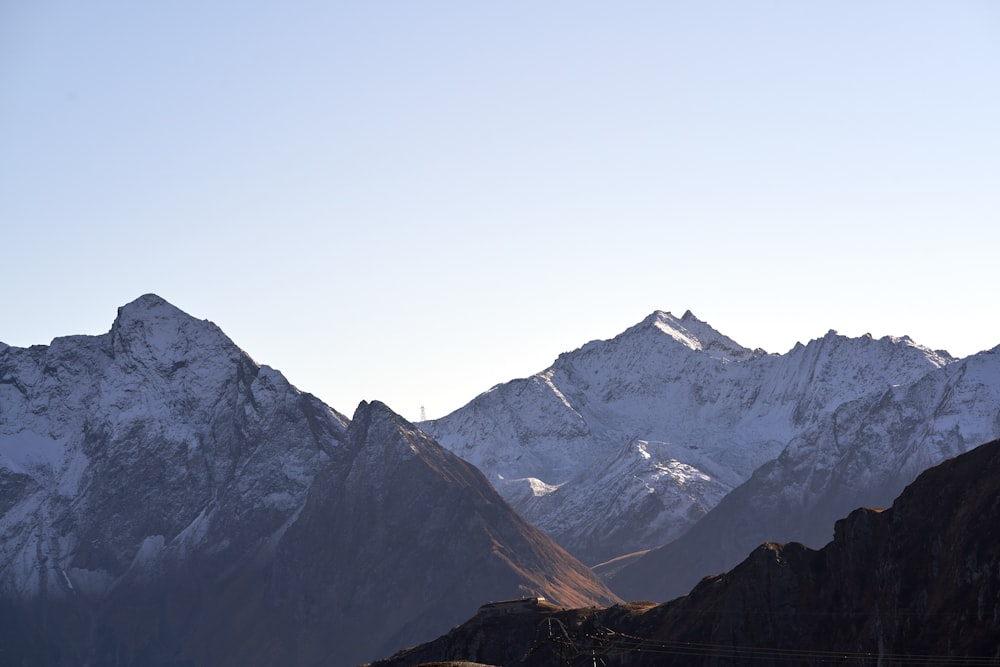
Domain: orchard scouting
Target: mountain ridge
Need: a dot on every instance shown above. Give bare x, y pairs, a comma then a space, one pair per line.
719, 409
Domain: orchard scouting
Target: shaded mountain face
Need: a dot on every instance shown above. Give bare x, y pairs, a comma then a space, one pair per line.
918, 583
156, 440
624, 444
864, 453
408, 539
164, 500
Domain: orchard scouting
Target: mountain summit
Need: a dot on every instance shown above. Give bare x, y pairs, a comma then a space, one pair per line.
696, 335
625, 443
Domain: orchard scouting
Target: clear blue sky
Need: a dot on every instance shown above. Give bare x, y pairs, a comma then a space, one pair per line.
413, 201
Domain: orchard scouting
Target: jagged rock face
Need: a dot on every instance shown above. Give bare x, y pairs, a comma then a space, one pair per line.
157, 440
917, 583
708, 412
142, 468
164, 500
862, 454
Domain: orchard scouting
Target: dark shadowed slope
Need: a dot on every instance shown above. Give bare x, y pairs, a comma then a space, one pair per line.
425, 540
918, 583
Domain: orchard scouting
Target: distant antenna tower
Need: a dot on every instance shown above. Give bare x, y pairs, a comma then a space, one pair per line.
423, 414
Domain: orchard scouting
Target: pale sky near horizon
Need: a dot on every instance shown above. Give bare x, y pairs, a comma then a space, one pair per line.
414, 201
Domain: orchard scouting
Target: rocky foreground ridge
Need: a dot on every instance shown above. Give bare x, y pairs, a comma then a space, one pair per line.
165, 500
918, 583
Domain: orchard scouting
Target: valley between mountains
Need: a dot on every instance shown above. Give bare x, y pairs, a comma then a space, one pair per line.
167, 500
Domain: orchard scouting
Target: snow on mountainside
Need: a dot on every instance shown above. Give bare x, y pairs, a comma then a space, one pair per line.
862, 454
645, 489
190, 429
555, 443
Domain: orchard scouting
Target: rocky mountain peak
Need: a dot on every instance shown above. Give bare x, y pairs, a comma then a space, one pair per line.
720, 409
381, 438
150, 312
375, 414
152, 333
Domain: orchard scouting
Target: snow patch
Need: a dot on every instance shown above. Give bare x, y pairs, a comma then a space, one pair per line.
676, 334
681, 473
641, 448
540, 488
547, 377
27, 451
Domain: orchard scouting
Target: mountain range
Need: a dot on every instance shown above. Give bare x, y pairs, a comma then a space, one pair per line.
624, 444
165, 500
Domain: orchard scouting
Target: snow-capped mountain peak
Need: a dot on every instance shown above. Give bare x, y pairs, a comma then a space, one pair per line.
696, 335
724, 409
153, 333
